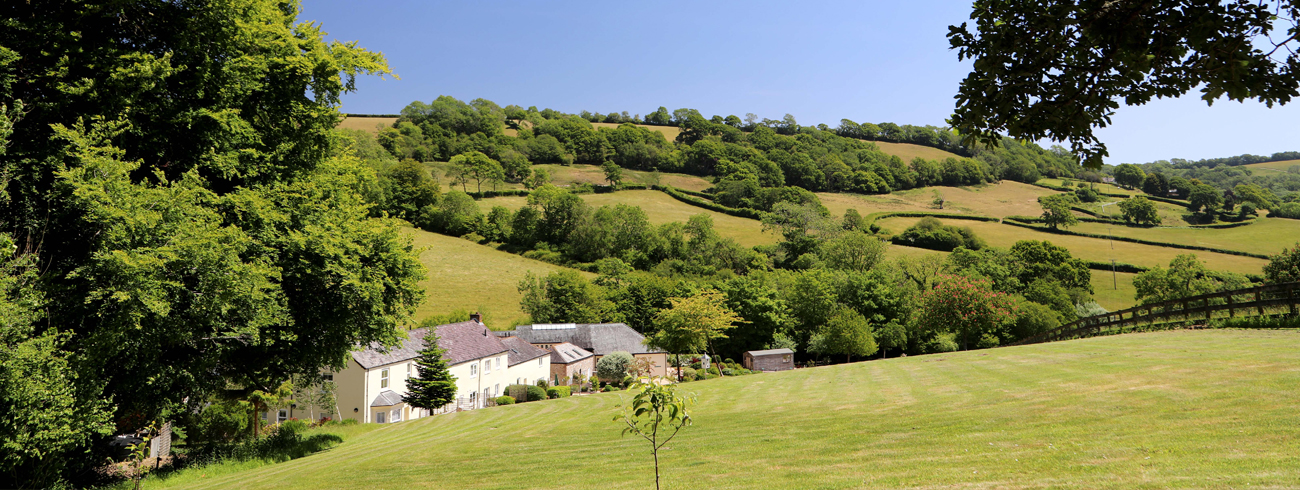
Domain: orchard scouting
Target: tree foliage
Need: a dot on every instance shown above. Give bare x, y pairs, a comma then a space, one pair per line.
1059, 69
1056, 210
1140, 210
434, 386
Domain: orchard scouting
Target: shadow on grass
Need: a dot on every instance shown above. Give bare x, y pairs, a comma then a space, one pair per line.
279, 447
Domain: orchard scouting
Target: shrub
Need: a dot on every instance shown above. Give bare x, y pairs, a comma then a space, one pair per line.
729, 372
688, 374
558, 392
526, 393
614, 367
505, 400
293, 425
536, 393
933, 234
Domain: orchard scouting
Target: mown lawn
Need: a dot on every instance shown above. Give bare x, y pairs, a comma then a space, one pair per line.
661, 208
1265, 236
463, 275
1098, 249
1181, 409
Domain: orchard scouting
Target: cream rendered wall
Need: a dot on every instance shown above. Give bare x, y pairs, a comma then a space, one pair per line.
495, 379
530, 371
350, 392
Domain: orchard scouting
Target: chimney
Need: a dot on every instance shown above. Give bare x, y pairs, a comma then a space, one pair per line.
476, 318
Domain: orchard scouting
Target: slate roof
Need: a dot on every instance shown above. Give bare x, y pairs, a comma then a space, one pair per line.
386, 398
599, 338
463, 342
521, 351
757, 353
567, 353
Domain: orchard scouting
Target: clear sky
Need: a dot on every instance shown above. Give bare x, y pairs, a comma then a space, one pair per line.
819, 61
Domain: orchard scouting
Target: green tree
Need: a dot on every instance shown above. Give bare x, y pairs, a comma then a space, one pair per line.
613, 173
1058, 69
1140, 210
1205, 199
657, 414
539, 178
1056, 210
1283, 267
691, 324
1186, 276
852, 251
477, 167
563, 296
892, 335
200, 223
434, 386
846, 333
408, 189
1130, 176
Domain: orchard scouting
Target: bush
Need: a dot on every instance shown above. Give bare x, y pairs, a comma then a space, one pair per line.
526, 393
729, 372
293, 425
688, 374
536, 393
505, 400
944, 342
558, 392
933, 234
614, 367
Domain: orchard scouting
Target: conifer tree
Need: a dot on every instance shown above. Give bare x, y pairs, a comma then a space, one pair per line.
435, 386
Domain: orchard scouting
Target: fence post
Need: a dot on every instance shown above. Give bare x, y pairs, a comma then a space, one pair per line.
1208, 311
1290, 294
1259, 307
1231, 311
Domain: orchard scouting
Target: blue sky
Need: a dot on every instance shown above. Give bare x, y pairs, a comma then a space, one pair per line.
819, 61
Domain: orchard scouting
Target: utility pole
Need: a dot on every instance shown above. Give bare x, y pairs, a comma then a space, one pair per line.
1114, 282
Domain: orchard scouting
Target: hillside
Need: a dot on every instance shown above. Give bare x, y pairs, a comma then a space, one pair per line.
463, 275
1281, 166
1156, 410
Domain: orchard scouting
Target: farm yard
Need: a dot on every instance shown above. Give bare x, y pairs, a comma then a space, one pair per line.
1155, 410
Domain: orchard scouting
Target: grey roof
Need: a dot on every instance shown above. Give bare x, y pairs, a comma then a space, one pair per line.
464, 341
386, 398
521, 350
599, 338
567, 353
769, 352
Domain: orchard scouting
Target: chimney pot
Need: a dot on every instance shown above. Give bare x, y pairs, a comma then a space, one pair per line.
476, 317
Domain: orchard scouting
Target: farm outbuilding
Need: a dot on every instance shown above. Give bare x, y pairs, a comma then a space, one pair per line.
769, 360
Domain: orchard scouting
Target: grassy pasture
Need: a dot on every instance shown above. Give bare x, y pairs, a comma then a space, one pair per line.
1279, 166
1114, 293
1000, 200
1004, 236
463, 275
566, 175
1265, 236
369, 124
661, 208
1100, 186
1178, 409
908, 151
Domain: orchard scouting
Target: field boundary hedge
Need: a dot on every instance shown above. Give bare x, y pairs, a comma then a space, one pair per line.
871, 218
709, 205
1071, 190
1136, 240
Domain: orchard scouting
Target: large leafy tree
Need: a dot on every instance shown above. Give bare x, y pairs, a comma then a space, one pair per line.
692, 323
1056, 210
1058, 69
1140, 210
176, 180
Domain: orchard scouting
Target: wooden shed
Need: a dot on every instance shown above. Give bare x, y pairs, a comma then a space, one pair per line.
769, 360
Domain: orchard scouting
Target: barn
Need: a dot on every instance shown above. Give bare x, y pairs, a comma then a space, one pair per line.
769, 360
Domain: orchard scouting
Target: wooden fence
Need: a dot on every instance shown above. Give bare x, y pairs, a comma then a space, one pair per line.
1259, 300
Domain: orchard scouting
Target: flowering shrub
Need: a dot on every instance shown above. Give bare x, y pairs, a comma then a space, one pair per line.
967, 308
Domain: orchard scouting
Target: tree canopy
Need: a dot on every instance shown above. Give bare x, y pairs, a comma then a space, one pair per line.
1059, 69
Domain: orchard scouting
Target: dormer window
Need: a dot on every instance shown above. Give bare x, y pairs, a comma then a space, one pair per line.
383, 378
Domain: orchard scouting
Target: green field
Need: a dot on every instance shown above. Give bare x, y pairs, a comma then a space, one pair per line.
369, 124
1113, 291
1179, 409
1099, 186
566, 175
908, 151
1000, 200
1098, 249
661, 208
1265, 236
1280, 166
463, 275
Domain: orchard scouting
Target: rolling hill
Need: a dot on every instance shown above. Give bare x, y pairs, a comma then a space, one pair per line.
1205, 409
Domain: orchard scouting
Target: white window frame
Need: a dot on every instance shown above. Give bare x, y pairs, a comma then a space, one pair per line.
380, 417
397, 415
408, 369
473, 370
498, 363
539, 361
383, 378
487, 366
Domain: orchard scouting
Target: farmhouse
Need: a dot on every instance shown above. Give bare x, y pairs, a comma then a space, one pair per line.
568, 360
370, 389
598, 338
769, 360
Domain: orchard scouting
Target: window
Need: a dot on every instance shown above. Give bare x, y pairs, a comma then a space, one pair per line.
281, 415
487, 366
473, 370
408, 369
785, 358
327, 377
496, 390
498, 363
539, 361
379, 417
383, 378
487, 394
397, 415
